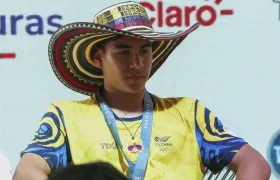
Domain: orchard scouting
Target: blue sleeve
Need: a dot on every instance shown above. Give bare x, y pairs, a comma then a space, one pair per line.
50, 140
218, 145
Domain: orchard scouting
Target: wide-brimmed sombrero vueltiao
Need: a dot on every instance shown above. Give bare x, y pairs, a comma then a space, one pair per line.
71, 46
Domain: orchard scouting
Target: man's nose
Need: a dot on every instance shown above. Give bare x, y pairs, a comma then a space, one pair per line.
137, 62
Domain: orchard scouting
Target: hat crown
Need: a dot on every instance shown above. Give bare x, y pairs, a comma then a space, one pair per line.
124, 16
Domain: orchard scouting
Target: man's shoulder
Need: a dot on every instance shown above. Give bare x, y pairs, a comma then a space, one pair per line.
69, 104
183, 102
175, 99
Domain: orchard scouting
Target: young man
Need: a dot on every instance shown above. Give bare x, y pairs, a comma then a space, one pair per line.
142, 135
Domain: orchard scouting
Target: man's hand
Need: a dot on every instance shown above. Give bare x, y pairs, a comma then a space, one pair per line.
250, 164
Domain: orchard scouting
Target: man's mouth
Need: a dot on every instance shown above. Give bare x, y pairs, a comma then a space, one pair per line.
136, 77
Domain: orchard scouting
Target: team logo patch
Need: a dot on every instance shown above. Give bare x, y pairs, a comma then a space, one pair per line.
162, 144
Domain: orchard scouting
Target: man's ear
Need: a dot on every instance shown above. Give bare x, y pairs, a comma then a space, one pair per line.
98, 58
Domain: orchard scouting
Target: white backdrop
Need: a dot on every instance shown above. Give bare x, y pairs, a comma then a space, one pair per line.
232, 66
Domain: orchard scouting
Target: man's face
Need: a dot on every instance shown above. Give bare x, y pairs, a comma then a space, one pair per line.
126, 63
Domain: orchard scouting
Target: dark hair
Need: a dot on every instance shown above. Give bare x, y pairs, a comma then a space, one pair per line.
103, 43
90, 171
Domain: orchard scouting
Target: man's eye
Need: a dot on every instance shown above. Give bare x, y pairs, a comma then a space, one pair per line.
144, 51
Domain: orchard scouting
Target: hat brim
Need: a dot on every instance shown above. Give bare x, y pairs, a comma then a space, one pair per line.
70, 52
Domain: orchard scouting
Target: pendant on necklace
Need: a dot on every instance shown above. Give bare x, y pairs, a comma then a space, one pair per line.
125, 114
135, 145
